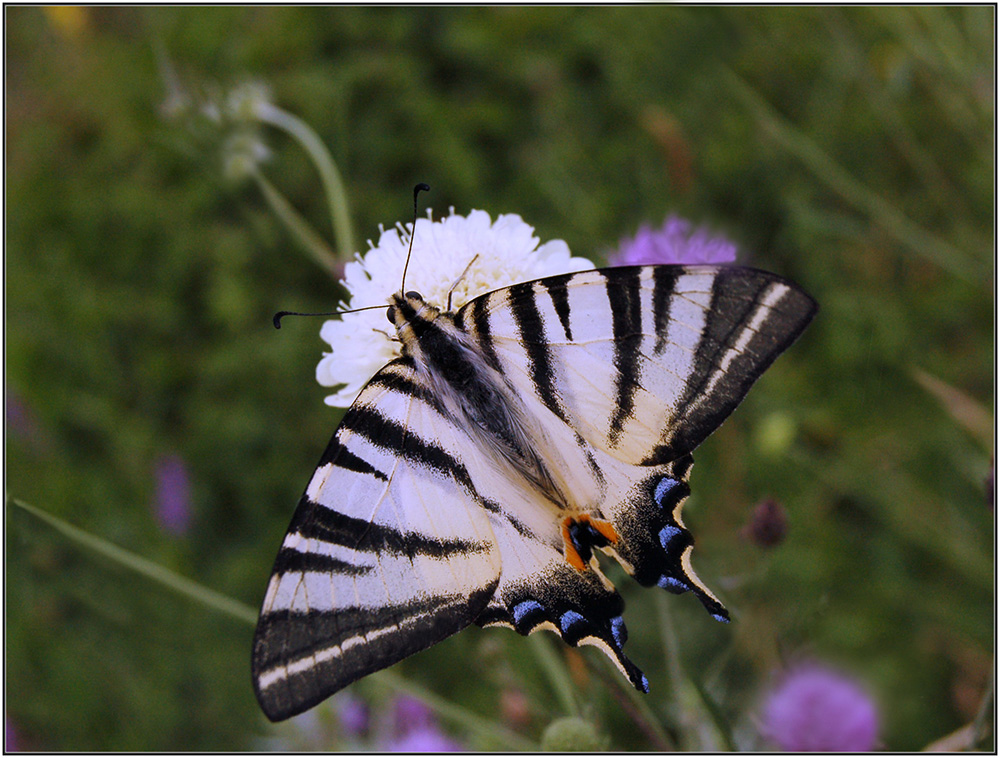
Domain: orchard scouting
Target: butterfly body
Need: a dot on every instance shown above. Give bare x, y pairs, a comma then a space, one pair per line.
477, 475
471, 393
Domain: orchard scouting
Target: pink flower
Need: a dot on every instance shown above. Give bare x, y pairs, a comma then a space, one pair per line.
814, 708
675, 242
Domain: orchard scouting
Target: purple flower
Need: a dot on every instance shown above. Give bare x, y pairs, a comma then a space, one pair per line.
173, 495
814, 708
353, 714
410, 715
21, 421
10, 740
675, 242
416, 730
768, 524
423, 740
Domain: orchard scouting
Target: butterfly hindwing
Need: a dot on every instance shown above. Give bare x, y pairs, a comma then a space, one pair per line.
539, 590
387, 552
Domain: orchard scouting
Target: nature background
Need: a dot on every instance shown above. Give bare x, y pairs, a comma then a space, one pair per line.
150, 403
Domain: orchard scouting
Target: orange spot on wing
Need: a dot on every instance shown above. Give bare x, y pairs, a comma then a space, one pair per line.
572, 557
605, 528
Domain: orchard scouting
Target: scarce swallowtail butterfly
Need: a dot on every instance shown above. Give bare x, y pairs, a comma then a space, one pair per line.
476, 475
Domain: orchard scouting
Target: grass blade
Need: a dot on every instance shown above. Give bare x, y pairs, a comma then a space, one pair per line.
879, 211
154, 571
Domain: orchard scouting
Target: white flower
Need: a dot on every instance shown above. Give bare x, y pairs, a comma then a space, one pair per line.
501, 253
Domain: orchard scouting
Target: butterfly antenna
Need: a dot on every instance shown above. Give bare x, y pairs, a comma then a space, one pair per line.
461, 276
416, 191
281, 314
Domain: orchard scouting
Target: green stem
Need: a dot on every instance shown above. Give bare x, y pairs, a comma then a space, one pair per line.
556, 672
699, 723
636, 706
340, 215
300, 228
197, 592
671, 652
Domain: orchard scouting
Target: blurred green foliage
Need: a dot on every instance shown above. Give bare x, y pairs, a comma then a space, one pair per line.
850, 150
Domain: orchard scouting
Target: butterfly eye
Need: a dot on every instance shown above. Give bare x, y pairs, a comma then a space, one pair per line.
390, 313
414, 295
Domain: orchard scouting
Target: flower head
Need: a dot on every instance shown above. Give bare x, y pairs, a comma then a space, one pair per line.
768, 524
247, 100
353, 714
20, 418
173, 495
464, 256
426, 740
416, 731
242, 153
814, 708
10, 739
677, 241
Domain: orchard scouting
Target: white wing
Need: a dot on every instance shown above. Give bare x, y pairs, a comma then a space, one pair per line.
643, 362
640, 364
388, 552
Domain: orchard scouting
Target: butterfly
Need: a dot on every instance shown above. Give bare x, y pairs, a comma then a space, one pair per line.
476, 476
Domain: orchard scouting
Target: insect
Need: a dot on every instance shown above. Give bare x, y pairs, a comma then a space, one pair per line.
476, 476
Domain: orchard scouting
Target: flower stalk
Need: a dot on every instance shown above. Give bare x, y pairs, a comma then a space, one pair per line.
340, 215
314, 245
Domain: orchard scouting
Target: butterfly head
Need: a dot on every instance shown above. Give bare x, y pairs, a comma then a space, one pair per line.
407, 308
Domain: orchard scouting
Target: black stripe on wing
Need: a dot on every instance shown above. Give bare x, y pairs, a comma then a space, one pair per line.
310, 644
475, 316
304, 633
556, 288
368, 423
524, 307
626, 318
290, 559
315, 521
390, 435
711, 392
341, 457
664, 281
397, 376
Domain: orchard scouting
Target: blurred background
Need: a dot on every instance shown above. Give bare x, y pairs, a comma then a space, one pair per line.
150, 403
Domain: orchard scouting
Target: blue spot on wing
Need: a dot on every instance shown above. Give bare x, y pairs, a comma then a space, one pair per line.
618, 631
569, 619
666, 484
674, 585
667, 533
524, 608
720, 617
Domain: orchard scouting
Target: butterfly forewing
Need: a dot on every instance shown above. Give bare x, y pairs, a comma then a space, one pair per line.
388, 552
644, 362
